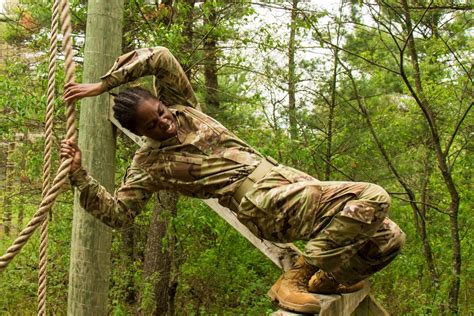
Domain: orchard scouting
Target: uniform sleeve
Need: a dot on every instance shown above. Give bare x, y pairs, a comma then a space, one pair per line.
172, 85
116, 210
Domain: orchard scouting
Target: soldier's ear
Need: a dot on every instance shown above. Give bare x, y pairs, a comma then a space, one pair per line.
135, 131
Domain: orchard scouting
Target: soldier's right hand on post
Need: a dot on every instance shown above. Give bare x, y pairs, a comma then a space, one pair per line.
76, 91
69, 149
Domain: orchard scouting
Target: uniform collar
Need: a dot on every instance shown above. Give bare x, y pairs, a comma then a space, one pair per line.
179, 138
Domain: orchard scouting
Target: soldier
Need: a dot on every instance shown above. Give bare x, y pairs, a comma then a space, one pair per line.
349, 236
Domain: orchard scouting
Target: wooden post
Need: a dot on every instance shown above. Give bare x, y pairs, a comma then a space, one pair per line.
91, 240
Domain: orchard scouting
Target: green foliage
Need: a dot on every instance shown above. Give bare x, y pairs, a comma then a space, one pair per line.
220, 266
19, 281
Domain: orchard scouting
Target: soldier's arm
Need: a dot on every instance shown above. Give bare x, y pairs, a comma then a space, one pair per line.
116, 210
172, 85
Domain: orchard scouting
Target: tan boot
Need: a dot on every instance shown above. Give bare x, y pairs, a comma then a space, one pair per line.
291, 292
324, 283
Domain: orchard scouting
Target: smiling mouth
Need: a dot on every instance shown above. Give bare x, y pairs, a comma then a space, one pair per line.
170, 127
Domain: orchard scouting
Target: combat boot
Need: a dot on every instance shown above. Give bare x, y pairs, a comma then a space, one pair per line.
324, 283
291, 289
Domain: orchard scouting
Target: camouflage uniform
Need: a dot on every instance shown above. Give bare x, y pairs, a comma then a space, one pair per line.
345, 223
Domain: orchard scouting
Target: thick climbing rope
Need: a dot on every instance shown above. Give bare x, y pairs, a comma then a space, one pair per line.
63, 170
43, 253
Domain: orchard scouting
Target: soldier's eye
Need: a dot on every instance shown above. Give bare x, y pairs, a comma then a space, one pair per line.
152, 125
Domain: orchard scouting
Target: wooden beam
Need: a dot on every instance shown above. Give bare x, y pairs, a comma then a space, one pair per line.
370, 307
137, 139
343, 304
283, 255
360, 303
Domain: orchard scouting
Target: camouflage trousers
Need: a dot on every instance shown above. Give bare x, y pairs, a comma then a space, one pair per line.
360, 239
345, 224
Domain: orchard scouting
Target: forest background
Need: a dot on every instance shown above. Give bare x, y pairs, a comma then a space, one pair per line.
377, 91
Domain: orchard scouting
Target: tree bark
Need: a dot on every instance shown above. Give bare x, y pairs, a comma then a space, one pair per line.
159, 253
332, 105
7, 207
188, 34
427, 252
210, 63
292, 72
3, 176
23, 184
91, 240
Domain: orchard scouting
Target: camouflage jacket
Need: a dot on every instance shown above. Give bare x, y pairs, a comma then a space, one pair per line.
203, 160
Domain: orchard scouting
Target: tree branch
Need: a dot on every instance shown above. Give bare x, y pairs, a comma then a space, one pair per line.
437, 209
457, 59
334, 46
456, 129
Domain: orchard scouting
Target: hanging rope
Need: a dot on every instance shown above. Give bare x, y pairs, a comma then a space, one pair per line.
43, 253
63, 170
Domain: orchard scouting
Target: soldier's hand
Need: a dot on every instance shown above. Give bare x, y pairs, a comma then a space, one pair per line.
76, 91
69, 149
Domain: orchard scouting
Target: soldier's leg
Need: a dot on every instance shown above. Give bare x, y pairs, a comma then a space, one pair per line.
376, 254
358, 214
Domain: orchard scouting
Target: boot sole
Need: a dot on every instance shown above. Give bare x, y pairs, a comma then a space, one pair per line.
301, 308
336, 291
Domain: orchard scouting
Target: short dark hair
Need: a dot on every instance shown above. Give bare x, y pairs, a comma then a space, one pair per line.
126, 105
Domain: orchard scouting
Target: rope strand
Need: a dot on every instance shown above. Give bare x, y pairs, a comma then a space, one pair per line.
43, 253
65, 166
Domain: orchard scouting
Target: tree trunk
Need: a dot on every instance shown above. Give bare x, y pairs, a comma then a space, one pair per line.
418, 213
427, 252
3, 176
441, 156
332, 105
23, 187
188, 34
157, 294
210, 63
7, 207
91, 240
158, 291
291, 72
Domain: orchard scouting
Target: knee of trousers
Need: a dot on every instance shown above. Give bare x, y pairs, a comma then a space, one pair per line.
376, 193
396, 238
400, 237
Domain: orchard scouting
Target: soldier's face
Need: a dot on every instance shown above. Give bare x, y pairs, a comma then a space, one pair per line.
154, 120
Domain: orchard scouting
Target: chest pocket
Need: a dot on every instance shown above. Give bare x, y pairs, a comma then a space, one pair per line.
207, 134
175, 167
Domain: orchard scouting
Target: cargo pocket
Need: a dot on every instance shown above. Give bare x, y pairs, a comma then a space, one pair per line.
360, 211
370, 214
